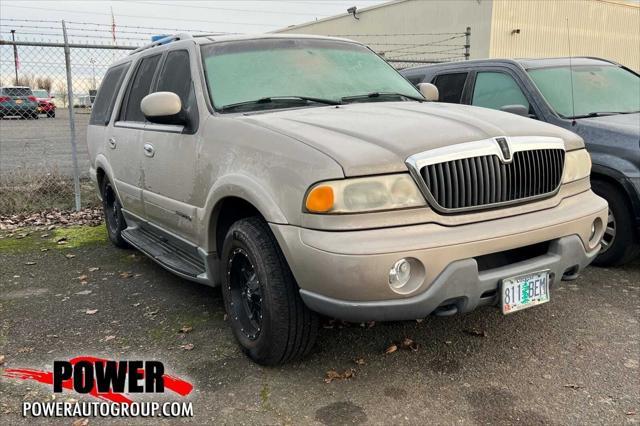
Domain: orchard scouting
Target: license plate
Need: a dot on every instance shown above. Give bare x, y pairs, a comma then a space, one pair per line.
18, 101
524, 291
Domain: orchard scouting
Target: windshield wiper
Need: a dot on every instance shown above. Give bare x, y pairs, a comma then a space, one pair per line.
602, 114
379, 95
271, 99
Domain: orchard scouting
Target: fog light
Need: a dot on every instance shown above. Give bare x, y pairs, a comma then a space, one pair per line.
400, 273
597, 230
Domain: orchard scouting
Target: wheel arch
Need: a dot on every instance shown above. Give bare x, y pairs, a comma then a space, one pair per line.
622, 184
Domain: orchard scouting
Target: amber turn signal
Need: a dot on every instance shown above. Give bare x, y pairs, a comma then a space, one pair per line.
320, 199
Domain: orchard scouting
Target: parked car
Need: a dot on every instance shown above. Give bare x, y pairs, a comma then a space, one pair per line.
603, 108
327, 184
18, 101
45, 102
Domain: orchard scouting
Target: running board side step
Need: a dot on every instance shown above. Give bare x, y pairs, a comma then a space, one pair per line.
167, 254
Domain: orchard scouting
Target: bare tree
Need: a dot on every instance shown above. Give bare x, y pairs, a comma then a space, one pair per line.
62, 93
25, 80
44, 83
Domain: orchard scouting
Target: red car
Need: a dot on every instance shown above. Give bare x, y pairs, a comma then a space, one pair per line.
45, 102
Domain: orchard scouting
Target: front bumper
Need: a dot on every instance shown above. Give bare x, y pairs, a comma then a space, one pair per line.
345, 274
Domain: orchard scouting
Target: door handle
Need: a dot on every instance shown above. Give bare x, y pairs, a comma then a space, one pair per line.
148, 150
112, 143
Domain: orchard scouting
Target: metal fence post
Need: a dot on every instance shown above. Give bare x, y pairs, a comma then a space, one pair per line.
467, 44
72, 120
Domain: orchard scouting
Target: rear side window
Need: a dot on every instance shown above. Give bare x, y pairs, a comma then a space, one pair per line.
17, 91
106, 96
450, 87
497, 89
139, 88
176, 77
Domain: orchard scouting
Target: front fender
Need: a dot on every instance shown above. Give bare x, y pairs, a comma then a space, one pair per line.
244, 187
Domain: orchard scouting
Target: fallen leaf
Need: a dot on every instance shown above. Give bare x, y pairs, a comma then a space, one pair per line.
1, 359
359, 361
61, 240
126, 274
475, 332
332, 375
44, 249
106, 339
572, 386
93, 269
628, 413
80, 422
187, 347
135, 305
91, 311
186, 329
391, 349
69, 256
82, 277
29, 263
83, 292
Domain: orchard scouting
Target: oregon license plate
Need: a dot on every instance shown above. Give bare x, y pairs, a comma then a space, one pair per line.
524, 291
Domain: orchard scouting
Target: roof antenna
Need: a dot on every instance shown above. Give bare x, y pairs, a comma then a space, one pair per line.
573, 103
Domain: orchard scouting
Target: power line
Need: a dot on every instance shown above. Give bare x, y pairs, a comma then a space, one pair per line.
233, 9
142, 16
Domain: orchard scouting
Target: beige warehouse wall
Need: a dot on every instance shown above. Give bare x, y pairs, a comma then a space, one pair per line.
605, 28
410, 17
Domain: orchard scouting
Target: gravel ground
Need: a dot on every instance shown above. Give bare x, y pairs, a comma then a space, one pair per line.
571, 361
44, 145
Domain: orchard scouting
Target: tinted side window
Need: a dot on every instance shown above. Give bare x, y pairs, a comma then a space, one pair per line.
106, 96
450, 86
415, 79
176, 77
139, 88
497, 89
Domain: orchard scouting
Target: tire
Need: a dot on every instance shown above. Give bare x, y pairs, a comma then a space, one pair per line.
620, 242
35, 116
113, 217
51, 114
268, 318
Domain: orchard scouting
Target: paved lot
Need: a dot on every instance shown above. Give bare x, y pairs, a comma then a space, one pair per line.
44, 145
571, 361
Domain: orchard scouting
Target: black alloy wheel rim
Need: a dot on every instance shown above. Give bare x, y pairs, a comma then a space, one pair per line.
245, 293
111, 207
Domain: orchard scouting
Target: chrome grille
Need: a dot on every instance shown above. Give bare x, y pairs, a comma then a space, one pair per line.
486, 181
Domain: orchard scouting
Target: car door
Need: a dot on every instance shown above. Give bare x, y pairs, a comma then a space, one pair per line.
125, 137
169, 158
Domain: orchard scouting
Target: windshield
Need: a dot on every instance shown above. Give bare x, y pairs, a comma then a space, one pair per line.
596, 89
40, 94
327, 70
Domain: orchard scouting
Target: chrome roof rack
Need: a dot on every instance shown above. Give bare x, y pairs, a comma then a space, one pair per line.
164, 40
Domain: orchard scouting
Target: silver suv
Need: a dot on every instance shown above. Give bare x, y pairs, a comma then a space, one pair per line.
304, 175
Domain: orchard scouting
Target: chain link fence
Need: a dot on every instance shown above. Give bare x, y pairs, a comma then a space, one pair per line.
43, 119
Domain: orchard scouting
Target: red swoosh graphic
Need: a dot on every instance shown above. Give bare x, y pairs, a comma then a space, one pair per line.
172, 383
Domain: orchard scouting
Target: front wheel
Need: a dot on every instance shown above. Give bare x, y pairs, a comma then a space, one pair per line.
620, 240
113, 215
267, 315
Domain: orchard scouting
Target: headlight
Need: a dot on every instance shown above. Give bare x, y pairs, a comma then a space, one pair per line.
577, 165
364, 195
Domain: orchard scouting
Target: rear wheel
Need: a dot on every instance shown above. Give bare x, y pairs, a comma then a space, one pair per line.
620, 240
267, 315
113, 214
51, 114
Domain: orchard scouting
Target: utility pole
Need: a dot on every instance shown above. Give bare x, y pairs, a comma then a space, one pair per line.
15, 55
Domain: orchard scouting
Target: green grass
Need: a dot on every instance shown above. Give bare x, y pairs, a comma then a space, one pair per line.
76, 236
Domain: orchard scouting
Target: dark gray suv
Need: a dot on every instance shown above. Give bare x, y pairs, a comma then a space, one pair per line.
603, 108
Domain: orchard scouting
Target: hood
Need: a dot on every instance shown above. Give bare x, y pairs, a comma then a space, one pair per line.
377, 137
626, 126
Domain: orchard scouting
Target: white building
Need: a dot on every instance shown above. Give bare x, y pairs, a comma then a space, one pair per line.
433, 30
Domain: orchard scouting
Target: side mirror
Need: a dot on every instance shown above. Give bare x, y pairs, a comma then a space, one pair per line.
429, 91
516, 109
163, 108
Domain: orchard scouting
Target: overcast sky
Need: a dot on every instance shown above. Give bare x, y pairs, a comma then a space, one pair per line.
199, 16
